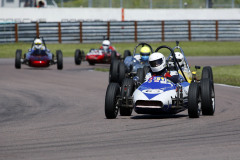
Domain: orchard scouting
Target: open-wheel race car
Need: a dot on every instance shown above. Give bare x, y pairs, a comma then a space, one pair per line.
158, 95
131, 66
38, 56
95, 56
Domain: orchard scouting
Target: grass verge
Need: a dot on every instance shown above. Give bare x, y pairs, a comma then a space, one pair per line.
190, 48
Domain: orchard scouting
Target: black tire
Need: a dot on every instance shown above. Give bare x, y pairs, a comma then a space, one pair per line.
146, 70
78, 57
113, 74
127, 86
59, 59
18, 59
194, 101
207, 73
83, 56
121, 71
113, 55
140, 74
111, 109
126, 54
208, 97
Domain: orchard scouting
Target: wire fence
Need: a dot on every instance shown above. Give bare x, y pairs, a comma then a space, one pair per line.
150, 3
119, 31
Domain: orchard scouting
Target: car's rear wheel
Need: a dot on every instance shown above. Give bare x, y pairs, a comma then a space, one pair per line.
140, 74
126, 91
78, 57
113, 55
121, 71
194, 101
111, 108
113, 73
126, 53
208, 97
18, 59
59, 59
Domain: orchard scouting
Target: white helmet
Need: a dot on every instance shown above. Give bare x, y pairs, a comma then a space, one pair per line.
157, 62
38, 43
180, 58
106, 44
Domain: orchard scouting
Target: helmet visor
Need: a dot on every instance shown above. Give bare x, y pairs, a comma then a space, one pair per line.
156, 63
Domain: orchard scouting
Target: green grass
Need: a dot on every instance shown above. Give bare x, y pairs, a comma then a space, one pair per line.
190, 48
227, 75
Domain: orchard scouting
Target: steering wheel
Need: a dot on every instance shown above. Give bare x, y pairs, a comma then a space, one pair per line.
174, 58
142, 44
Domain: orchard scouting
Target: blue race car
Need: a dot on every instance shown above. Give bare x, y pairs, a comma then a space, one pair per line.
158, 95
131, 66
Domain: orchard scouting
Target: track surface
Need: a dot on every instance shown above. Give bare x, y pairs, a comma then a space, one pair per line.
46, 114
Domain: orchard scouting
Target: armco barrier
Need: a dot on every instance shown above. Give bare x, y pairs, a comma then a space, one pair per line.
122, 31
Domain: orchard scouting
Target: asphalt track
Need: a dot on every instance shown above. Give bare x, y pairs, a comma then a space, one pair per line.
46, 114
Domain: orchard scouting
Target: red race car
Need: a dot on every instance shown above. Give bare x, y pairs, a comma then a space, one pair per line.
96, 56
38, 56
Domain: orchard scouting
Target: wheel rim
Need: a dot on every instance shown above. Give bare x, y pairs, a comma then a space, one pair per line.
213, 99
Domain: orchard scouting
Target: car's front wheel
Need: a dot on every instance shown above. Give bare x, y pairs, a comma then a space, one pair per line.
194, 101
78, 57
59, 59
126, 92
208, 97
111, 108
18, 59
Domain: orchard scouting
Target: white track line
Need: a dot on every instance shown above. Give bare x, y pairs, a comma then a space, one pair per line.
225, 85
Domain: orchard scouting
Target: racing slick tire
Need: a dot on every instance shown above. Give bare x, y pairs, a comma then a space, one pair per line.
59, 60
18, 59
113, 55
194, 100
121, 71
78, 57
126, 91
113, 73
111, 108
208, 97
126, 54
83, 55
140, 74
207, 73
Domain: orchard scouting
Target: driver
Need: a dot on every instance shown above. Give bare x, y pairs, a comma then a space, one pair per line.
38, 44
144, 54
158, 67
106, 46
180, 58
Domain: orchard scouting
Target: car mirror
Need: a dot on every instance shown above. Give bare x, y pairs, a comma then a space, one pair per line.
197, 67
29, 50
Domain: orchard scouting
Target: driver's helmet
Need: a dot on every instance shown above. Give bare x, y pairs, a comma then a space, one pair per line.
180, 58
145, 52
157, 62
106, 44
37, 43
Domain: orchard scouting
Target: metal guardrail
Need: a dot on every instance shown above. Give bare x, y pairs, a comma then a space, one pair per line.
126, 31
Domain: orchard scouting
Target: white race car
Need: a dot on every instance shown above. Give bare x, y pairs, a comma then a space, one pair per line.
159, 95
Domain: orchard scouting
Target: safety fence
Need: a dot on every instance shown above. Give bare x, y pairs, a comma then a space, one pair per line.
122, 31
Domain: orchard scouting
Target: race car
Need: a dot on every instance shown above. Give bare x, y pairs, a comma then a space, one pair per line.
158, 95
39, 57
96, 56
130, 67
